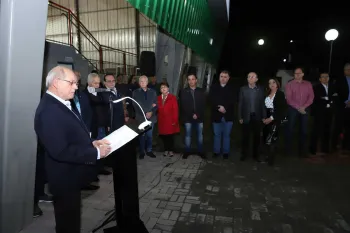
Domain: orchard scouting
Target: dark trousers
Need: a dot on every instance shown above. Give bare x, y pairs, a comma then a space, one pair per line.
270, 137
321, 131
341, 125
40, 178
67, 209
293, 116
251, 128
346, 140
168, 141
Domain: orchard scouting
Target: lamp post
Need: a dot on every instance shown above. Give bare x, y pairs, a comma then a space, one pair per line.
331, 35
261, 42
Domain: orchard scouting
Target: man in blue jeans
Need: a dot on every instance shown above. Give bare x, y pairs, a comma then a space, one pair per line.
192, 109
221, 98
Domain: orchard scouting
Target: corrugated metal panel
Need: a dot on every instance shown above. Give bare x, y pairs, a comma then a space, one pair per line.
189, 21
111, 22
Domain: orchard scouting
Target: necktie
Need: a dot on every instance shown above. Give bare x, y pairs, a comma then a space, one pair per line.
77, 104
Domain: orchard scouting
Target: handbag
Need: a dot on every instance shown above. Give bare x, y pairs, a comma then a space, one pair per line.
272, 136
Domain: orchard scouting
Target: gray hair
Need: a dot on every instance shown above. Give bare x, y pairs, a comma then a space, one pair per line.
347, 66
143, 77
91, 77
57, 72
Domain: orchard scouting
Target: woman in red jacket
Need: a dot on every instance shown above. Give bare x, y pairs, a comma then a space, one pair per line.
168, 120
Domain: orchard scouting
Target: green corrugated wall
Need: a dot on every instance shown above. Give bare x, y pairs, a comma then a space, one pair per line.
189, 21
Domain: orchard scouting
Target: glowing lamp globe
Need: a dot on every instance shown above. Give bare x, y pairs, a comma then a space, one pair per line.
261, 42
331, 34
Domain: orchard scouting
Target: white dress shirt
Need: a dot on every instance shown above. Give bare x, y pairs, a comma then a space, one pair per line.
67, 103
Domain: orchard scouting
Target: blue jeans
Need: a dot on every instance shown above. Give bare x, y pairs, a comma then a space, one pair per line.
222, 129
199, 130
146, 141
293, 115
101, 133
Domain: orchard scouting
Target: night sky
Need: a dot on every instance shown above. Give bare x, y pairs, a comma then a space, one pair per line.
277, 25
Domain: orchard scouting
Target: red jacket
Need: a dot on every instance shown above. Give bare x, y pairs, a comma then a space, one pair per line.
168, 115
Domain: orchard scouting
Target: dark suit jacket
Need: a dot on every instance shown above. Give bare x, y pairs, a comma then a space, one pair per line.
342, 89
118, 119
320, 104
145, 103
224, 96
244, 103
99, 112
188, 107
85, 107
69, 154
279, 107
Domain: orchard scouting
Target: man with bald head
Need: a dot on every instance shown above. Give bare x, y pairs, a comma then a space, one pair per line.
70, 154
251, 113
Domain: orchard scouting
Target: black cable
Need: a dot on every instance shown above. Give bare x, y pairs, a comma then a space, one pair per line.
160, 177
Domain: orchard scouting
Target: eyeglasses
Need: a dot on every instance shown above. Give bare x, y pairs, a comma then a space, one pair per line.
70, 82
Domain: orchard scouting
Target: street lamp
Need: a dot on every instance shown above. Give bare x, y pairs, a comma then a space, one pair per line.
284, 60
261, 42
331, 35
291, 41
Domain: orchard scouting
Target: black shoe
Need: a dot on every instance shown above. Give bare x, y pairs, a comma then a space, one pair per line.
202, 155
141, 156
185, 155
37, 212
45, 198
104, 172
257, 160
91, 187
216, 155
225, 156
150, 154
96, 179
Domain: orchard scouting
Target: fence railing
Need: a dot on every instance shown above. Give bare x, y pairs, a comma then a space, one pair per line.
64, 27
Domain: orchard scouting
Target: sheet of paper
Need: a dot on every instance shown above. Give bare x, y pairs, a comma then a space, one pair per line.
120, 137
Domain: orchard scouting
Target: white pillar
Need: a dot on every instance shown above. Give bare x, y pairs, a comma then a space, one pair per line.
22, 40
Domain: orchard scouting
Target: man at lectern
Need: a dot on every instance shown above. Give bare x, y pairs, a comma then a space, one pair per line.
70, 154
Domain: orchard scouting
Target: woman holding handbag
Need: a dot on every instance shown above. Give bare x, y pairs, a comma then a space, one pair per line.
276, 105
168, 118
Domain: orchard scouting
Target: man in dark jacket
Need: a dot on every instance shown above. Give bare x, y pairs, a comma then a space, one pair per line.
222, 104
323, 114
192, 105
251, 113
147, 98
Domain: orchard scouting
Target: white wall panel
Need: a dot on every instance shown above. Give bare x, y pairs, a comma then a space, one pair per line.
92, 5
83, 6
102, 5
56, 25
66, 3
112, 19
102, 21
122, 4
112, 4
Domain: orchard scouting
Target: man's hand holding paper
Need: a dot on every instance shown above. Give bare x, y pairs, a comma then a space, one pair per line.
104, 147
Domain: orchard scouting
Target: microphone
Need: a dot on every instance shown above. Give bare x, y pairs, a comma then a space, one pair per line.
144, 124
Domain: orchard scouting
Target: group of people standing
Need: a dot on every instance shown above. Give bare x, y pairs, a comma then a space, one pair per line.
71, 123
